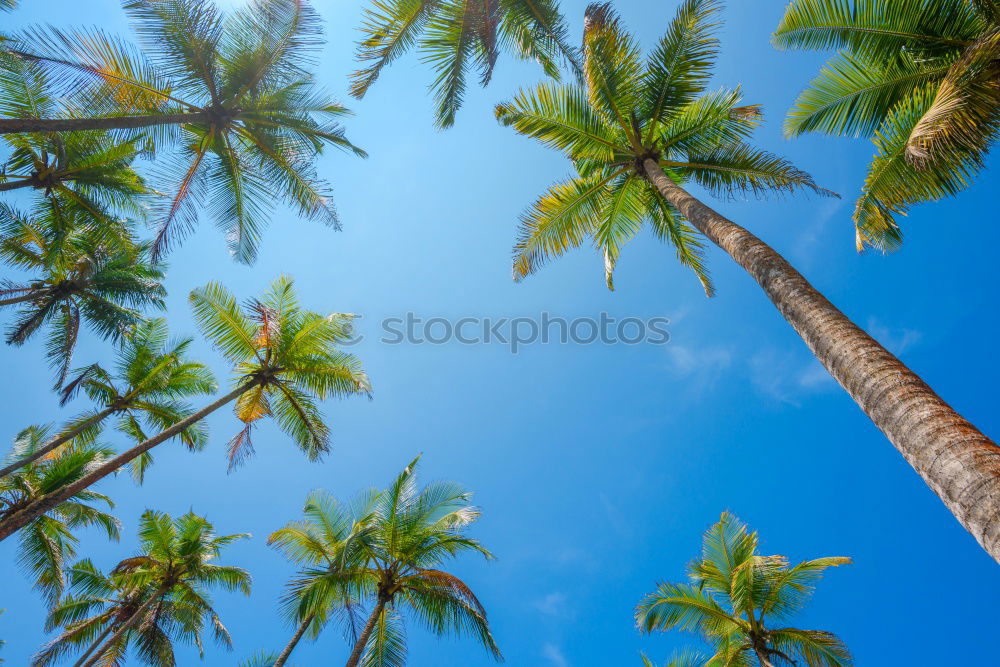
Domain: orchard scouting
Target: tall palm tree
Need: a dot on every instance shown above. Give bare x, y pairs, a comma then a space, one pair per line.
160, 592
152, 377
48, 542
732, 596
330, 544
91, 169
921, 77
79, 276
231, 90
455, 37
412, 532
285, 359
635, 133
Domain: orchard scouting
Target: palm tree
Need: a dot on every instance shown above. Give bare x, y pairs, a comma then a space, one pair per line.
232, 92
152, 377
636, 133
79, 276
160, 592
47, 542
92, 169
921, 77
330, 545
732, 596
411, 533
285, 359
455, 37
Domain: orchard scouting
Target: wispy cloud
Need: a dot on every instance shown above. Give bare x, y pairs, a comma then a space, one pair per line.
554, 655
895, 339
553, 604
700, 366
788, 377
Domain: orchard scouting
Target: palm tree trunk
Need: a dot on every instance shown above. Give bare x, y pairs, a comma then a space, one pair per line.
359, 646
14, 185
24, 516
126, 626
25, 125
17, 299
97, 642
958, 462
762, 657
55, 442
283, 658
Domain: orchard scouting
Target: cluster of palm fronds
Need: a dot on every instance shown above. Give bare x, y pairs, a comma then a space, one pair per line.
221, 113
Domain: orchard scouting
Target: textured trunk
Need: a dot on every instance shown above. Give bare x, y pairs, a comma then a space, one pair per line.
125, 627
55, 442
283, 658
97, 642
14, 185
960, 464
24, 125
762, 657
16, 299
359, 646
39, 507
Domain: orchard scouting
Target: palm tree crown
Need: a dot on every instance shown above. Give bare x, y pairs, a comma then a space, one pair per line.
733, 596
386, 548
458, 36
150, 599
286, 358
89, 169
329, 544
625, 113
152, 378
80, 275
919, 76
47, 543
231, 91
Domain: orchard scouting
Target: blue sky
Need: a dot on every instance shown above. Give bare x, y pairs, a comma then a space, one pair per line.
597, 467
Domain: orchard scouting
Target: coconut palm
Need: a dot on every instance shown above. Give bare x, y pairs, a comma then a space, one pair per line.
152, 377
330, 545
285, 360
734, 594
78, 276
149, 600
48, 541
411, 532
92, 170
231, 91
455, 37
921, 77
636, 133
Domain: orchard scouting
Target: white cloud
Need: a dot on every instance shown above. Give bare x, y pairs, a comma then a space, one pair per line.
554, 655
788, 377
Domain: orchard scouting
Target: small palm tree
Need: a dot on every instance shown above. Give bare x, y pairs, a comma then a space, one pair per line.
285, 359
48, 542
412, 532
151, 379
330, 545
149, 600
921, 77
733, 595
231, 91
458, 36
636, 132
79, 276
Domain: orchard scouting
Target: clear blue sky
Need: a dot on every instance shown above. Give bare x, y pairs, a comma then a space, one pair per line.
597, 467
